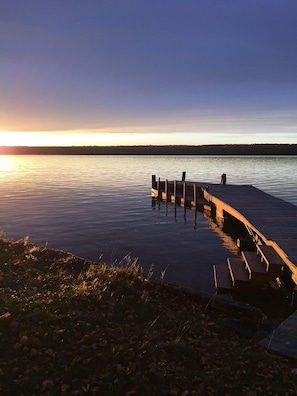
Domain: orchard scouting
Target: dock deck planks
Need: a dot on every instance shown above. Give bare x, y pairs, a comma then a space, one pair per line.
272, 217
222, 278
238, 271
270, 255
252, 260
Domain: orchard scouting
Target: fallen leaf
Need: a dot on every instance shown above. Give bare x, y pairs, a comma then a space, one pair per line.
5, 316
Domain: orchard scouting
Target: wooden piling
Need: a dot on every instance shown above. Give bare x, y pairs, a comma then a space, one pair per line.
173, 197
154, 181
184, 198
159, 188
166, 190
194, 202
223, 178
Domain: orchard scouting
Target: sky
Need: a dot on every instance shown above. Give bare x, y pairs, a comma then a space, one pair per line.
138, 72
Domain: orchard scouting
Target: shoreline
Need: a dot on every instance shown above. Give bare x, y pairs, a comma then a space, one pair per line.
74, 327
76, 264
223, 149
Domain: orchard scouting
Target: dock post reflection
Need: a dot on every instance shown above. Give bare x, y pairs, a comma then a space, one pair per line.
195, 220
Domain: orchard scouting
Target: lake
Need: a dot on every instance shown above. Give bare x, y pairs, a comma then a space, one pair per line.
100, 208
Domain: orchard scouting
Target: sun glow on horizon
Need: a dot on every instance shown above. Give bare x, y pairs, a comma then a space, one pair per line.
142, 135
116, 138
13, 139
68, 138
216, 128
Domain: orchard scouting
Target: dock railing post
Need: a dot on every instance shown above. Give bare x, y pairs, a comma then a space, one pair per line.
184, 176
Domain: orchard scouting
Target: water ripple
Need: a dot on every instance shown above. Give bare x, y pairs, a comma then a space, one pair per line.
101, 205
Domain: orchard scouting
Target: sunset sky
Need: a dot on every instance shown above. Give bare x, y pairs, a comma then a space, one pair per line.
132, 72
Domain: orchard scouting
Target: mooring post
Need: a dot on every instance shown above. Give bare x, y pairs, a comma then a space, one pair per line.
153, 181
223, 178
184, 176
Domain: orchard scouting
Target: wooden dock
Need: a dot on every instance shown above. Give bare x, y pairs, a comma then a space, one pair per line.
270, 221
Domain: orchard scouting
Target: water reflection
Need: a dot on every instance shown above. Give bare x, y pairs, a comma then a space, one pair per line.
7, 164
227, 240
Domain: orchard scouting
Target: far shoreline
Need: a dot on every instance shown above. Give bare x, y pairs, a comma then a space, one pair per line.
176, 150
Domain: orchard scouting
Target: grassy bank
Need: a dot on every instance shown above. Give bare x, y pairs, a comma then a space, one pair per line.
69, 327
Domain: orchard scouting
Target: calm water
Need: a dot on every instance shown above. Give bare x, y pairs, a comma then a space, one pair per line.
101, 207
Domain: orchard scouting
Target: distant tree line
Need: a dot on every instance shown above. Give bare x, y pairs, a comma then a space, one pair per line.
228, 149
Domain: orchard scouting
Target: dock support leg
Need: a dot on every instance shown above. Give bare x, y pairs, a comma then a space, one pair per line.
194, 202
158, 188
173, 197
174, 190
166, 190
183, 200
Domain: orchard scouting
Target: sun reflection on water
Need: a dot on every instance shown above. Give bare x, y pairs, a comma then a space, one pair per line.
6, 164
